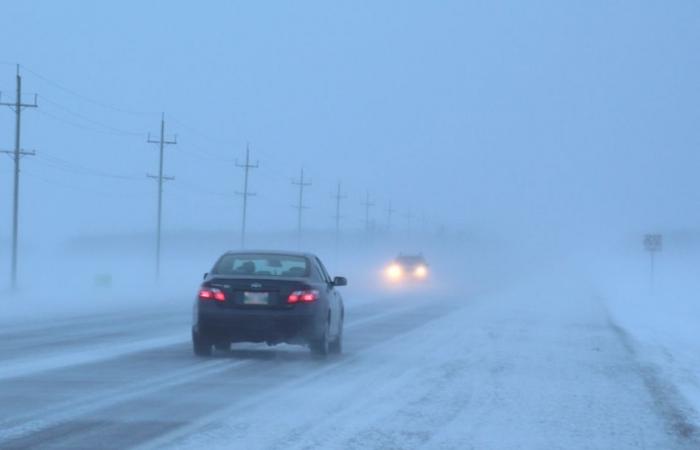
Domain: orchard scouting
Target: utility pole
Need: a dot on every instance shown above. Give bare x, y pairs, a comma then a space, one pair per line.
17, 154
300, 206
389, 212
367, 204
246, 167
338, 197
160, 178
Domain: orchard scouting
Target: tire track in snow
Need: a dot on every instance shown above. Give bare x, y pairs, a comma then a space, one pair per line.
679, 417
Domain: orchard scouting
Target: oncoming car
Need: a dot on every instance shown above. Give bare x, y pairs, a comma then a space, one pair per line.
271, 297
406, 268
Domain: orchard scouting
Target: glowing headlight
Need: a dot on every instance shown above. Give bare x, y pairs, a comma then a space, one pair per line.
421, 272
394, 272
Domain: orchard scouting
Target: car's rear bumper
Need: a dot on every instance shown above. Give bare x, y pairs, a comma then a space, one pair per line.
294, 326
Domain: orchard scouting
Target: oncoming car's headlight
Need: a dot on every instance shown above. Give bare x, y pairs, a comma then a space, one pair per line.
394, 272
421, 272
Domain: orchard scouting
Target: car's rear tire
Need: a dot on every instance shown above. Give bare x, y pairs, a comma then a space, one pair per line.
200, 345
336, 346
320, 346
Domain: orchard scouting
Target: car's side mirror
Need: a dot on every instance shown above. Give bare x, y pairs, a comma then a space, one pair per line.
206, 274
340, 281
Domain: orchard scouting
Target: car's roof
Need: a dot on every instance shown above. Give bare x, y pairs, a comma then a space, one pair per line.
271, 252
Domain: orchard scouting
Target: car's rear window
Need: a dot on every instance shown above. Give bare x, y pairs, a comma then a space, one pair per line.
262, 265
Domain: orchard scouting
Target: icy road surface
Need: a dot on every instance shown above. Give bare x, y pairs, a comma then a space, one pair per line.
535, 367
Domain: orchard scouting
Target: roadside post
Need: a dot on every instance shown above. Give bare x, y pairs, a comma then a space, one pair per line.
653, 243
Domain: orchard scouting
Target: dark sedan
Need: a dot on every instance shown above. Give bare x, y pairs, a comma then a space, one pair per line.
272, 297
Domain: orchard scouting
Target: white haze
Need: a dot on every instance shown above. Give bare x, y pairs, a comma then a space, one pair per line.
532, 143
518, 137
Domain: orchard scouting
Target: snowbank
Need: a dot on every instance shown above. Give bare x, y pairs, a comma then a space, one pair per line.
662, 315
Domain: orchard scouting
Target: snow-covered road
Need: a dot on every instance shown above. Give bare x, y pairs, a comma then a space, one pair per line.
539, 366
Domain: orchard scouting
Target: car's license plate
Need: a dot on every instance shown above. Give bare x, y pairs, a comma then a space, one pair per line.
256, 298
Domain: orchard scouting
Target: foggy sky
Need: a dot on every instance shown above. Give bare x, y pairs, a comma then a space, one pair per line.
492, 115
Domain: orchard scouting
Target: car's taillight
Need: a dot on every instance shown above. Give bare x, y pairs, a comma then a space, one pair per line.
212, 294
303, 296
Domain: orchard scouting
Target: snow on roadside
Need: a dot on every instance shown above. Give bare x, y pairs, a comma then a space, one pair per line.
663, 318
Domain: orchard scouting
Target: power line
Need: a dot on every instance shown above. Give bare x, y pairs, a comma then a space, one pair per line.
214, 156
162, 142
207, 154
201, 153
200, 133
246, 167
67, 166
84, 190
77, 125
17, 154
113, 130
84, 97
194, 188
300, 206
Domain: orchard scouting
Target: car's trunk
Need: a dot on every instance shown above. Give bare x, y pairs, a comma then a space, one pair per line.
257, 292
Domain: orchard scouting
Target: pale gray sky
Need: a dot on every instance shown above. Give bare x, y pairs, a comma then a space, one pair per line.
546, 114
